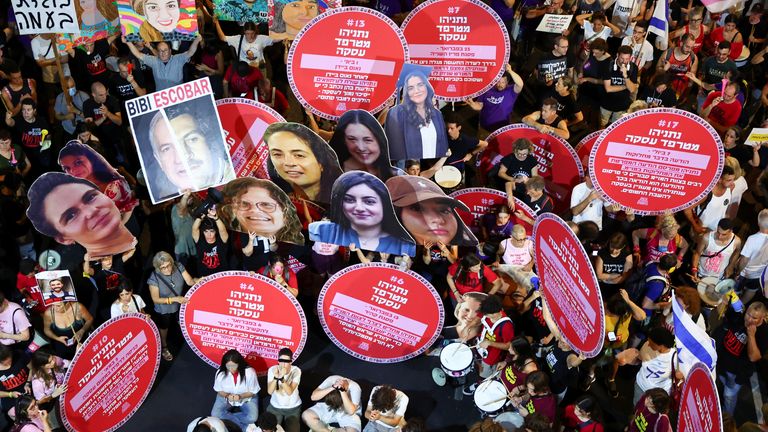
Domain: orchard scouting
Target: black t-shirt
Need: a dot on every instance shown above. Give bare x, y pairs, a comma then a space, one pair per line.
30, 134
212, 258
517, 167
541, 205
667, 98
618, 101
459, 149
613, 265
566, 105
552, 68
92, 67
589, 92
732, 346
122, 89
561, 376
108, 130
715, 71
742, 153
15, 377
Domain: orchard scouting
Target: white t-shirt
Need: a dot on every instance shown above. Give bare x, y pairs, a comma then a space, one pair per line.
656, 372
641, 53
593, 212
225, 382
214, 423
739, 187
42, 47
255, 49
589, 32
401, 404
117, 308
623, 10
715, 210
354, 389
428, 141
280, 399
756, 249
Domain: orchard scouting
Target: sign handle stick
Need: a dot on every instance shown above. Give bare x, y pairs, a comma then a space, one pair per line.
60, 70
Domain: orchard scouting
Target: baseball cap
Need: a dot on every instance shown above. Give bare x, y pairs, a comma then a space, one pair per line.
406, 190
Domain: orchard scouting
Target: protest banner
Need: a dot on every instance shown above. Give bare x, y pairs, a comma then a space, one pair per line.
179, 140
699, 404
550, 151
569, 285
362, 214
56, 286
464, 41
97, 19
244, 122
656, 161
347, 58
483, 204
757, 136
45, 16
379, 313
247, 312
288, 17
111, 375
54, 194
555, 23
255, 11
154, 21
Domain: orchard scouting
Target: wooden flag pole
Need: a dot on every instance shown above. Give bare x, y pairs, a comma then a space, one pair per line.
60, 69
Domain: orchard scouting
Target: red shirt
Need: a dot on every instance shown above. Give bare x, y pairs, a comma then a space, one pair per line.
725, 114
27, 285
503, 333
276, 100
239, 85
473, 282
572, 423
645, 421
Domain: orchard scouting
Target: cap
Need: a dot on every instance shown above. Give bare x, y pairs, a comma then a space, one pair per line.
406, 190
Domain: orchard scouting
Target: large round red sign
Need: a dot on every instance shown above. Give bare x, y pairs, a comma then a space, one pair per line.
657, 161
484, 201
244, 122
464, 42
699, 405
379, 313
111, 375
558, 162
347, 58
569, 285
584, 147
247, 312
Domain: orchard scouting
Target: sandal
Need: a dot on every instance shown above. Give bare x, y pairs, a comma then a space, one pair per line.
167, 356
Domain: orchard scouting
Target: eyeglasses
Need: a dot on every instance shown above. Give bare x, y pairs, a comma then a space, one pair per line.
284, 360
267, 207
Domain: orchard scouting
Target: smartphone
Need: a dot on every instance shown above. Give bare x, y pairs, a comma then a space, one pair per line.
70, 341
612, 336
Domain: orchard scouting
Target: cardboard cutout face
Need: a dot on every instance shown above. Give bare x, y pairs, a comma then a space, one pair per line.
428, 213
181, 145
300, 162
56, 286
73, 210
360, 143
259, 207
158, 20
361, 214
288, 17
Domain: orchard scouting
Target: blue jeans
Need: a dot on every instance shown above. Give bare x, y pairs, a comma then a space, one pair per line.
730, 391
248, 414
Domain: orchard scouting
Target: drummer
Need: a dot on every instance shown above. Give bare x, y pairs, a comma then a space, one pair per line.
495, 337
463, 147
717, 253
413, 166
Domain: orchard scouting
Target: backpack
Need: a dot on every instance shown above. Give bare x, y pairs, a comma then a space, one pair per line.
636, 283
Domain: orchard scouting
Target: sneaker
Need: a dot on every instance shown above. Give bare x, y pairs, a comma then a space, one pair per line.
587, 383
612, 389
469, 390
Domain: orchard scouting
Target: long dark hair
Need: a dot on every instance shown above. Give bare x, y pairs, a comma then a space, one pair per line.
618, 306
37, 365
361, 117
467, 262
412, 115
235, 357
347, 181
589, 405
38, 192
101, 169
524, 352
325, 156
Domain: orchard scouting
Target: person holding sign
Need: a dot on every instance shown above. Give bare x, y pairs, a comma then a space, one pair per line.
361, 213
302, 161
67, 324
237, 390
161, 18
73, 210
415, 128
167, 68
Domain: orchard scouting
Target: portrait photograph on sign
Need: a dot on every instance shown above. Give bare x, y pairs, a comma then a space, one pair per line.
301, 162
361, 213
56, 286
428, 213
73, 210
157, 20
360, 143
287, 18
98, 19
260, 207
182, 148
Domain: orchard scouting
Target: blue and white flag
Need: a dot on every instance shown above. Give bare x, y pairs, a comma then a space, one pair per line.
693, 342
659, 24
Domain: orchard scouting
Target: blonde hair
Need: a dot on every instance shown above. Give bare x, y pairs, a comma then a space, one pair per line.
667, 222
734, 163
637, 106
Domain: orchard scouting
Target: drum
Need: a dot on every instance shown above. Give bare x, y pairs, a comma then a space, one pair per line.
706, 288
448, 177
490, 397
743, 58
510, 420
456, 359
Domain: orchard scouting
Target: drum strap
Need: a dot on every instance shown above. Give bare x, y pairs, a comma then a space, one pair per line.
721, 250
490, 329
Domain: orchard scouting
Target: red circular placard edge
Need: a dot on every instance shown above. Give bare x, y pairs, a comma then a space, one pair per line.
253, 103
591, 136
311, 24
502, 28
332, 279
153, 327
554, 218
457, 194
261, 278
699, 366
673, 111
495, 134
